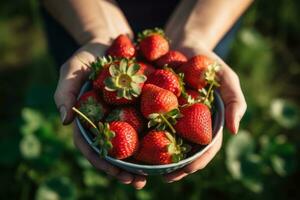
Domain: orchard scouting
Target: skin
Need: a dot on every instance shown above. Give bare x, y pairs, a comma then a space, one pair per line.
194, 28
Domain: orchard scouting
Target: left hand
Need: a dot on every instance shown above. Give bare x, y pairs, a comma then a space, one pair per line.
235, 107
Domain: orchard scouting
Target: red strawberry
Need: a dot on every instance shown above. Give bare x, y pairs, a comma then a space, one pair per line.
194, 71
172, 59
91, 105
121, 47
195, 124
129, 115
153, 44
125, 142
100, 71
117, 139
124, 83
157, 100
159, 147
165, 79
192, 93
146, 68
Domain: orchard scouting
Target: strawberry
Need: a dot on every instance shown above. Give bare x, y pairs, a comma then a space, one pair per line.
100, 71
153, 44
195, 124
124, 83
160, 147
117, 139
146, 68
166, 79
194, 71
157, 100
121, 47
91, 105
193, 95
125, 142
129, 115
172, 59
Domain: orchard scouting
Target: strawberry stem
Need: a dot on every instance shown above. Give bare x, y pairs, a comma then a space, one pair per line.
209, 91
84, 117
167, 123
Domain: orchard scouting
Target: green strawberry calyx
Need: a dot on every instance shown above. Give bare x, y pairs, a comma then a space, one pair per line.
176, 148
114, 115
97, 65
125, 79
206, 96
212, 80
92, 109
148, 32
102, 132
164, 121
103, 138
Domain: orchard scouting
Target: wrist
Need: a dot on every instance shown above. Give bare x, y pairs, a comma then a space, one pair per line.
192, 44
94, 35
196, 39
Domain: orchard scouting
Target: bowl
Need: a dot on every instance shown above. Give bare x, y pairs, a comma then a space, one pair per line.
144, 169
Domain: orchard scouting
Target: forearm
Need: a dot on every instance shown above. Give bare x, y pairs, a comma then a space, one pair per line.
204, 22
88, 20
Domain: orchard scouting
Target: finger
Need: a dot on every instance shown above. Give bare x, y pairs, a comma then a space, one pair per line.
125, 177
198, 164
72, 75
234, 100
92, 156
175, 176
139, 182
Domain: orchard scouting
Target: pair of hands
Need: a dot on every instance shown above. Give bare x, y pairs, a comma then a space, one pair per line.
74, 73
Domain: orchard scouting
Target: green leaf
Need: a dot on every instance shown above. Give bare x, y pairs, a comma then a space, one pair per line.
33, 120
110, 84
123, 66
279, 165
113, 115
114, 72
139, 78
30, 147
94, 179
136, 89
284, 113
238, 148
153, 115
56, 188
152, 123
175, 112
133, 69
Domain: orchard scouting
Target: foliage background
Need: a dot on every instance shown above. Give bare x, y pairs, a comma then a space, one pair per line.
38, 159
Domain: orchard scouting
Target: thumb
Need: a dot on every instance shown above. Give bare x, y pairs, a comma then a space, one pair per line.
72, 75
235, 104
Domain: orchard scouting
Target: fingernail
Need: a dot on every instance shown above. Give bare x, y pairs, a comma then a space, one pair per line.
125, 178
236, 125
63, 113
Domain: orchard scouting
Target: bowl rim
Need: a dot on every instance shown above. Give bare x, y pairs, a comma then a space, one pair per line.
217, 131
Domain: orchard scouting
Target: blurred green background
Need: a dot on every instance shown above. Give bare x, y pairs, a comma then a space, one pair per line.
37, 156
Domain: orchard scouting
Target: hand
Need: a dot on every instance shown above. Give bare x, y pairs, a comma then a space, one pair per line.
72, 75
235, 107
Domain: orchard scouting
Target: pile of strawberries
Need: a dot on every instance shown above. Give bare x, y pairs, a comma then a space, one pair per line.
148, 103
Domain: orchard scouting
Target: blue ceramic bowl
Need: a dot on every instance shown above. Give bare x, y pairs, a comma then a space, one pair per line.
143, 169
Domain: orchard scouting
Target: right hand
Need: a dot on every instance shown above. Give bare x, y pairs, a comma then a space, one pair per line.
72, 76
